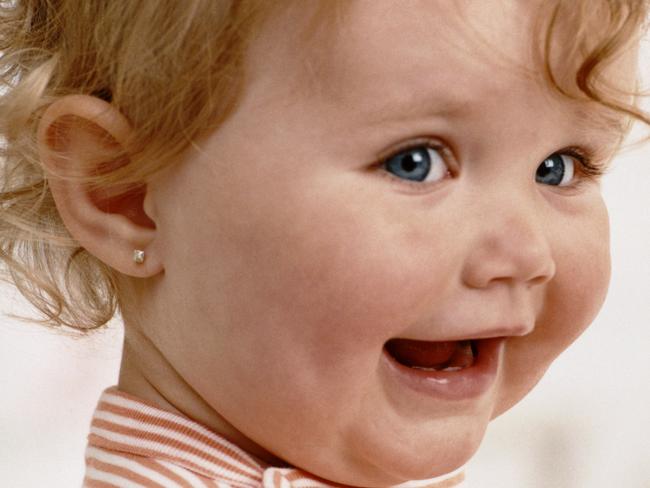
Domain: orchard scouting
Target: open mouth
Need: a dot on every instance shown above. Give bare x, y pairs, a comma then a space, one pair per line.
445, 370
447, 356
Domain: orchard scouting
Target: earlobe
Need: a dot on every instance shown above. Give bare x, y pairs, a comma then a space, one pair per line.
78, 136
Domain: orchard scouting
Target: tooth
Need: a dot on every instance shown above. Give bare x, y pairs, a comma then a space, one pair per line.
453, 368
448, 368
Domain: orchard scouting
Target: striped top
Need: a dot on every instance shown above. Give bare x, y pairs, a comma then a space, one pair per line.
133, 444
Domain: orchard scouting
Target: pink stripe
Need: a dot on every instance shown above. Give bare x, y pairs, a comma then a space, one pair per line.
103, 443
137, 435
124, 473
153, 421
88, 483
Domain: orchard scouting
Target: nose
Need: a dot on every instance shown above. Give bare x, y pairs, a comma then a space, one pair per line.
508, 246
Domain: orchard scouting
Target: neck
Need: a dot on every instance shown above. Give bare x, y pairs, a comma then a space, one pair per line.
145, 373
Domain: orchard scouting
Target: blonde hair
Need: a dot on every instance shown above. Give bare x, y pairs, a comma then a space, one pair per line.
175, 70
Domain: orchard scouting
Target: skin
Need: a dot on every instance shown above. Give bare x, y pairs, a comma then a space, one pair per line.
284, 256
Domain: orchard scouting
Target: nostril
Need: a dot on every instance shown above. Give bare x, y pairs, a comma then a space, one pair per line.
544, 275
514, 252
538, 280
488, 274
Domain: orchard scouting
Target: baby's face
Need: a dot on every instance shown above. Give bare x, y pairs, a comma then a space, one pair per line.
408, 184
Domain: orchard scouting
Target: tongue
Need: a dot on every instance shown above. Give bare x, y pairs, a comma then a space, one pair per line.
422, 354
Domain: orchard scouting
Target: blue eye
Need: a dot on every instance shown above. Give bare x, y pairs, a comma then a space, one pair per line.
556, 170
419, 164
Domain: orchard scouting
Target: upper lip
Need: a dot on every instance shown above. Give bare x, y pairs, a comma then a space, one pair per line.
517, 329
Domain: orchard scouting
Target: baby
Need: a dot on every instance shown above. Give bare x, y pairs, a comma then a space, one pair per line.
342, 236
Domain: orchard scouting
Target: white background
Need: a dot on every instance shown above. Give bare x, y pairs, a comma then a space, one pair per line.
586, 425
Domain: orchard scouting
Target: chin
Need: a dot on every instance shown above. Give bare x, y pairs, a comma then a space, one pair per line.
414, 459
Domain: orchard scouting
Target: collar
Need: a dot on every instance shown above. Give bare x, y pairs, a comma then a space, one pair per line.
128, 424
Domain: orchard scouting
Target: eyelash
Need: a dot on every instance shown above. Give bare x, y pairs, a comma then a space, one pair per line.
444, 151
587, 170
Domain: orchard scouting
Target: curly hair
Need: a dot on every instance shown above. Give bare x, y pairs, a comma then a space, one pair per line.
175, 70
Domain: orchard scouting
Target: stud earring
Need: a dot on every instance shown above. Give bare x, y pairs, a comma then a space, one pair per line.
138, 256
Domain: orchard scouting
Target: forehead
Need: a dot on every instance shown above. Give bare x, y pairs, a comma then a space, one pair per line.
422, 57
428, 43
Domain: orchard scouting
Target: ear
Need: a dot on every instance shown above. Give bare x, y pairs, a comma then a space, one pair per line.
75, 136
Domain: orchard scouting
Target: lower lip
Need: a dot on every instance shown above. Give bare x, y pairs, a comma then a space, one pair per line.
465, 384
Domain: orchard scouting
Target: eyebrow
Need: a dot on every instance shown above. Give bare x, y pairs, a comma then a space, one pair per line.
428, 107
590, 119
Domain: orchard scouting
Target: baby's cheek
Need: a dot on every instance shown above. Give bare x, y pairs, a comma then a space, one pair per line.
571, 302
579, 287
363, 288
